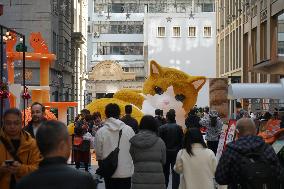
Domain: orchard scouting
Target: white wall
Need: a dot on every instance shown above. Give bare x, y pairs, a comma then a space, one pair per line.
195, 56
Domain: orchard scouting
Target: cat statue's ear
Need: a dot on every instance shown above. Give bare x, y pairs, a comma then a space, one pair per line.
155, 68
197, 82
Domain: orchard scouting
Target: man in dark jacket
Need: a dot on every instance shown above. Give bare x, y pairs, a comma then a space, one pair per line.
54, 144
192, 121
172, 135
128, 120
37, 113
228, 171
159, 117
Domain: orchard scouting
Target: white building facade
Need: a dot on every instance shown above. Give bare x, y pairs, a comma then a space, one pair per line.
79, 51
126, 32
184, 41
115, 33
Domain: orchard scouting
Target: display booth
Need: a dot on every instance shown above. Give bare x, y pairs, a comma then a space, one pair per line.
40, 55
254, 91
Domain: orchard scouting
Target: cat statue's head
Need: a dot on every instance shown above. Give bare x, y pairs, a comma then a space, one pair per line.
169, 88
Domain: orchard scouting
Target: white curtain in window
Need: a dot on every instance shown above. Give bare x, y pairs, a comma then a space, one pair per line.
176, 31
161, 31
192, 31
207, 31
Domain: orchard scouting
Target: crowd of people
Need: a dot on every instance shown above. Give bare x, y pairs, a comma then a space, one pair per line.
134, 154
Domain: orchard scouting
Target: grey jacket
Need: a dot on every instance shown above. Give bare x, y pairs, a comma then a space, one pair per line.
148, 152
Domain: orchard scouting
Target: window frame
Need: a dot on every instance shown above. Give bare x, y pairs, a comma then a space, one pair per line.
179, 32
158, 32
188, 31
210, 31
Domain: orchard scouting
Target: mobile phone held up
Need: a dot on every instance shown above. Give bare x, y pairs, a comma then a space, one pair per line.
9, 162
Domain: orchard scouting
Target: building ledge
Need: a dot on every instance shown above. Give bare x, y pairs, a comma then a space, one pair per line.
78, 37
270, 67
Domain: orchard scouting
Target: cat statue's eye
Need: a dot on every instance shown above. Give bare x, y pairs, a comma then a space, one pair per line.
158, 90
180, 97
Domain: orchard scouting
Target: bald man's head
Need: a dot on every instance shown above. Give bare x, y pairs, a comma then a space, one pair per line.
246, 126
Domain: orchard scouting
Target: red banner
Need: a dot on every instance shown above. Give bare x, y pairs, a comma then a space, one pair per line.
227, 136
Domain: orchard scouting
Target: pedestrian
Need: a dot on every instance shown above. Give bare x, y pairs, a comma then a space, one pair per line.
206, 112
89, 121
128, 120
55, 146
263, 121
172, 135
148, 152
158, 117
98, 123
195, 162
192, 120
106, 140
83, 141
162, 117
19, 154
214, 125
240, 111
37, 112
248, 162
81, 121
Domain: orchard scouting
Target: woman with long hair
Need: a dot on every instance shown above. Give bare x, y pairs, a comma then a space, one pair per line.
148, 152
195, 162
214, 126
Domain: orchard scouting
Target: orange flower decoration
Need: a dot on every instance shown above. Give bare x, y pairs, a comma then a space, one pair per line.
48, 115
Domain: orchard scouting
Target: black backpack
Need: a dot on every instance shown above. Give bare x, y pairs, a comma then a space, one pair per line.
256, 172
108, 166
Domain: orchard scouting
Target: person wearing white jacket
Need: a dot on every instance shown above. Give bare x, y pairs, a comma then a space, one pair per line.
195, 162
106, 141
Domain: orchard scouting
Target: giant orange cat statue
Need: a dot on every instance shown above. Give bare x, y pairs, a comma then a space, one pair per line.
38, 44
166, 88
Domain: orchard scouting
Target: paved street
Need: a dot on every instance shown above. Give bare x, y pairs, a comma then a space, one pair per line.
102, 185
94, 166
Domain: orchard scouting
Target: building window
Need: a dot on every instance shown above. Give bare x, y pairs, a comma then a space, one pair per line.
146, 10
280, 37
191, 31
207, 31
68, 10
66, 51
121, 49
117, 7
176, 31
54, 43
113, 27
126, 69
85, 63
89, 29
55, 94
55, 7
281, 48
161, 32
208, 7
